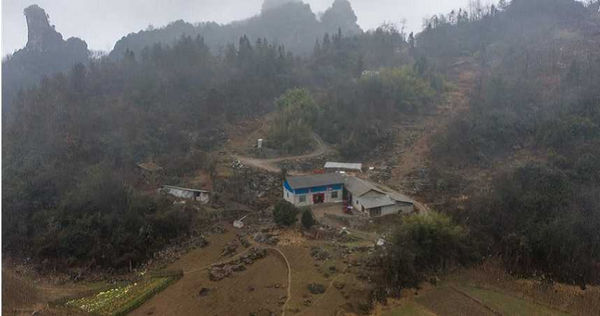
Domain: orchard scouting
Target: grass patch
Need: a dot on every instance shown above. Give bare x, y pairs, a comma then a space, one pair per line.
409, 308
507, 304
120, 300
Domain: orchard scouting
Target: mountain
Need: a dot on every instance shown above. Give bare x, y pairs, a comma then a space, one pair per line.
46, 53
291, 23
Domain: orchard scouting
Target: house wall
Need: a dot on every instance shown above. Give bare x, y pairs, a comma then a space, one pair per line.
406, 208
390, 209
356, 204
293, 196
204, 197
356, 200
398, 208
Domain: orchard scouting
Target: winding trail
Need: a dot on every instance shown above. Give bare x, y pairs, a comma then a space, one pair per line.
289, 279
270, 164
276, 250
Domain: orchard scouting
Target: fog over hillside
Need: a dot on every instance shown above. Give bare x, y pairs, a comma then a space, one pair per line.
102, 22
271, 157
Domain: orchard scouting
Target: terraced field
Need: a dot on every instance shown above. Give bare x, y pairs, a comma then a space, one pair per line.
467, 300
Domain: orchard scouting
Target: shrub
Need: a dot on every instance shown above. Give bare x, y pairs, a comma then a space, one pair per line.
316, 288
285, 213
308, 220
423, 243
539, 220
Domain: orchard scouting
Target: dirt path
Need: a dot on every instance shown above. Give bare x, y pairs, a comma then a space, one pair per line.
289, 279
463, 75
270, 164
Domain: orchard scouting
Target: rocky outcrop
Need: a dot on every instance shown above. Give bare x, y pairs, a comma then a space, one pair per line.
41, 36
340, 16
288, 22
45, 54
272, 4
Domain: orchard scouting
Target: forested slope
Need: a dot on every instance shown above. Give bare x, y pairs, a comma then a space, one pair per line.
70, 180
289, 23
527, 150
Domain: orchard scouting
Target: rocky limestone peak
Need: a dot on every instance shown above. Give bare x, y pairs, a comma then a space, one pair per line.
273, 4
341, 15
41, 35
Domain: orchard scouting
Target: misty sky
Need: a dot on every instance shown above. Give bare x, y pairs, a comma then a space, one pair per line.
102, 22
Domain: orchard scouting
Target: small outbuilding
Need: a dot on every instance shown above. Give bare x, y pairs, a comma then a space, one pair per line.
331, 166
201, 196
375, 200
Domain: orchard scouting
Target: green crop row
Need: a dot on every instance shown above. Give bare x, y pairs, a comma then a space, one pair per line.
122, 299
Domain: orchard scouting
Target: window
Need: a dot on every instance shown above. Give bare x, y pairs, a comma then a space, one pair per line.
302, 198
287, 194
334, 194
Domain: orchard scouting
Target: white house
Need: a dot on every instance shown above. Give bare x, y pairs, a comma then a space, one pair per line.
362, 195
201, 196
314, 189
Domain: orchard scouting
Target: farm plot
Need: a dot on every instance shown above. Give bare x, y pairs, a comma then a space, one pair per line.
446, 301
121, 299
507, 304
409, 308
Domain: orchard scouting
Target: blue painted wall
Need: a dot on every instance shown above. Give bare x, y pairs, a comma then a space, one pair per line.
312, 189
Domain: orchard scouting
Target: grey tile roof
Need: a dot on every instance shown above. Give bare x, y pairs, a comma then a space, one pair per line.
183, 189
316, 180
343, 165
379, 201
358, 186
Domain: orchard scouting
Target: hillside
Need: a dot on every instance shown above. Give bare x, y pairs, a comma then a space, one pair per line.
520, 166
489, 119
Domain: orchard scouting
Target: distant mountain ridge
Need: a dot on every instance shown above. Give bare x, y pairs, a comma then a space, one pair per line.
288, 22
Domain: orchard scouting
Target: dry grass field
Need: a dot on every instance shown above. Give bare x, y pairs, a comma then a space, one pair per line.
261, 289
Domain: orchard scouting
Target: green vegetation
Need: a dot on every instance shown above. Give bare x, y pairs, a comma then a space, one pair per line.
123, 299
409, 308
291, 131
542, 211
308, 219
167, 104
423, 244
285, 213
508, 305
357, 115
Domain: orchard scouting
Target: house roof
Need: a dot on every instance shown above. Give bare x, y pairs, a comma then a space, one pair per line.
358, 186
377, 201
184, 189
399, 197
343, 165
149, 166
316, 180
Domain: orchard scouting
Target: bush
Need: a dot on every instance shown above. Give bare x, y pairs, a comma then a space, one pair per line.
422, 244
316, 288
539, 220
308, 220
285, 213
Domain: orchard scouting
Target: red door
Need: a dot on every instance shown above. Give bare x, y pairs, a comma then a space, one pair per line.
318, 198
